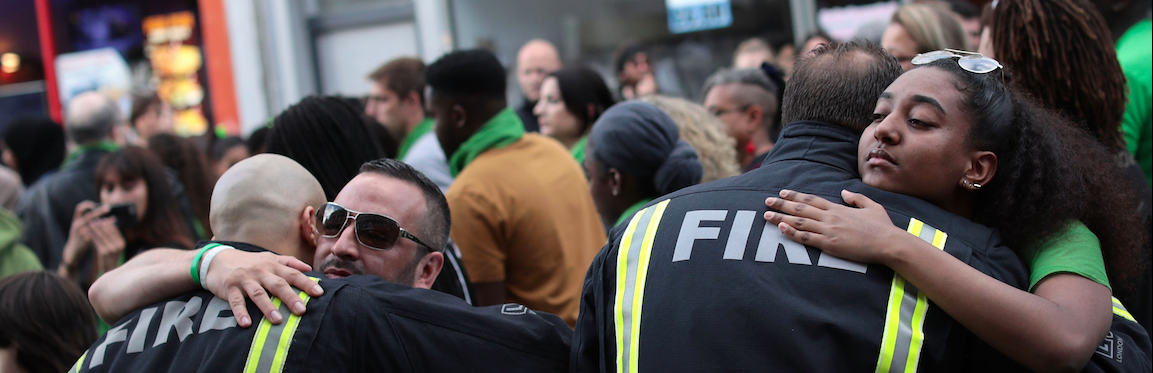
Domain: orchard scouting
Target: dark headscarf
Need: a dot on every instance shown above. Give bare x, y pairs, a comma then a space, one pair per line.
37, 143
640, 140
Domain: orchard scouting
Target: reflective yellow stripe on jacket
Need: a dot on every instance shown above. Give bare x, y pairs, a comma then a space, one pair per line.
270, 344
632, 268
79, 363
905, 318
1119, 310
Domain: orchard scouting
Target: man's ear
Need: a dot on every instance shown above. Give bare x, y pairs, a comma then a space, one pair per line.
427, 270
756, 115
458, 116
982, 168
308, 233
413, 97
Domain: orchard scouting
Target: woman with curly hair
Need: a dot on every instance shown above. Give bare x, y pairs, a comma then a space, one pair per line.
959, 138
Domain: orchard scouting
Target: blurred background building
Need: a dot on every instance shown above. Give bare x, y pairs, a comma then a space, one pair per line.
228, 65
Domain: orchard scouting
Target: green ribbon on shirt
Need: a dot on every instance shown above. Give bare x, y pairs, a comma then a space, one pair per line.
103, 145
502, 130
632, 210
578, 150
416, 133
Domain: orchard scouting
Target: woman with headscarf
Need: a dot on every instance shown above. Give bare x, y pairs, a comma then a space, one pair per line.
636, 155
34, 146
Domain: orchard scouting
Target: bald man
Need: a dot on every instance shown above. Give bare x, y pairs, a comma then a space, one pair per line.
92, 122
534, 62
353, 323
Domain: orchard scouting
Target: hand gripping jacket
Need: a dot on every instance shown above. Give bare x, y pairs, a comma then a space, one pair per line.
360, 324
697, 281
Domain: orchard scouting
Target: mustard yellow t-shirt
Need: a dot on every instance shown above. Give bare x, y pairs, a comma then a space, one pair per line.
1074, 250
522, 214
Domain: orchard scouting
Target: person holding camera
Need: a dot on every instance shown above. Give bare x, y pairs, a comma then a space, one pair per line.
137, 211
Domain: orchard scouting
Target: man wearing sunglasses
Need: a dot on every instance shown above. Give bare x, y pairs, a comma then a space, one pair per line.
353, 323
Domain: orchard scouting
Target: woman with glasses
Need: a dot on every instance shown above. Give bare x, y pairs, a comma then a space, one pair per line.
571, 100
952, 133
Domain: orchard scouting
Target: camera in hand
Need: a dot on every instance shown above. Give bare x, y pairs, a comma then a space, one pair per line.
125, 214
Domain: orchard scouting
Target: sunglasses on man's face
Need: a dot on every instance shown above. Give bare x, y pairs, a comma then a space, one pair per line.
375, 231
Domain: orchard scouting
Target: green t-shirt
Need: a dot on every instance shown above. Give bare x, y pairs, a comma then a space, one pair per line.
1134, 51
1075, 250
14, 256
18, 258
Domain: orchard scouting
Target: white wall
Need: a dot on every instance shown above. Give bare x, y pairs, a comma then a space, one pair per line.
346, 57
247, 75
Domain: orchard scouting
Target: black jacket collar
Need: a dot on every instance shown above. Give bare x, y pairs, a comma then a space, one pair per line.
819, 142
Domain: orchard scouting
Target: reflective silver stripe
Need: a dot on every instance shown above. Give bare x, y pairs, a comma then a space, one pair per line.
270, 345
904, 322
268, 352
905, 329
626, 287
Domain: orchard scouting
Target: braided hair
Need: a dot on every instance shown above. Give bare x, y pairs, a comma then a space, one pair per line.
1061, 52
327, 136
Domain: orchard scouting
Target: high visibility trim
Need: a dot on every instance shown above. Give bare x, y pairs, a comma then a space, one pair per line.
271, 342
1120, 310
904, 333
632, 269
79, 363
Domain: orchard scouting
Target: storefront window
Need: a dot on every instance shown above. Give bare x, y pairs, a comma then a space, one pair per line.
591, 32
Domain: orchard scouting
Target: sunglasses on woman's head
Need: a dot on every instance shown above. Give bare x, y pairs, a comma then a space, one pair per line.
373, 230
970, 61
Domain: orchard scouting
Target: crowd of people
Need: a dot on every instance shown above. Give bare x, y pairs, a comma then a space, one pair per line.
972, 194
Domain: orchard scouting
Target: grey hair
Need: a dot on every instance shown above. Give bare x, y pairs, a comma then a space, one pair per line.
754, 77
90, 124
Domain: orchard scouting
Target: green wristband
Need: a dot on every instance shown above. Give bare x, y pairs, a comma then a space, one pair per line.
196, 262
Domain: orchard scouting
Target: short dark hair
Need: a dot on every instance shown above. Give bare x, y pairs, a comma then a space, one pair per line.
142, 105
965, 9
626, 54
402, 76
47, 319
839, 83
437, 222
580, 87
257, 140
222, 146
474, 72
